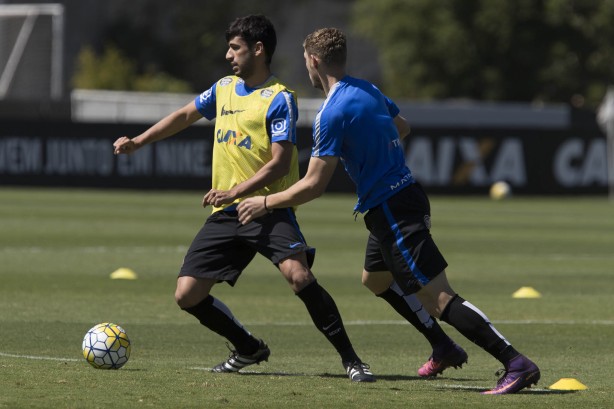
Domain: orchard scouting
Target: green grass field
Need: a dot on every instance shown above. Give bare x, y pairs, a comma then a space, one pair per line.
58, 247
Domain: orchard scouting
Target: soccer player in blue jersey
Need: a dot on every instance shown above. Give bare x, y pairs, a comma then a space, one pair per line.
254, 153
360, 126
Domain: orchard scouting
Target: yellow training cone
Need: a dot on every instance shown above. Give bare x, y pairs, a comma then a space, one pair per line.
568, 384
123, 274
526, 292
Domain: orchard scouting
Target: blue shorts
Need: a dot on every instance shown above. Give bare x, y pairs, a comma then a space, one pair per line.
401, 242
224, 247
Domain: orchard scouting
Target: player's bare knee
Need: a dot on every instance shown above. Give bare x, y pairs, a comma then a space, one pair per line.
365, 278
181, 299
190, 291
296, 273
377, 282
186, 299
300, 279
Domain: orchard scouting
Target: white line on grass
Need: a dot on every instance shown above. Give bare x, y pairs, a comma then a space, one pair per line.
39, 358
183, 249
481, 388
555, 322
96, 249
400, 322
350, 323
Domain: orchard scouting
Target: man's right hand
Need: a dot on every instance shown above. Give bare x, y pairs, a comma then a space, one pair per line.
124, 145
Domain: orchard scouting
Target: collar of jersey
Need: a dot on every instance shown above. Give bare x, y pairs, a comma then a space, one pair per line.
335, 86
243, 90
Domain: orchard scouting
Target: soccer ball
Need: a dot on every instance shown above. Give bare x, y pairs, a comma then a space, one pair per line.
106, 346
500, 190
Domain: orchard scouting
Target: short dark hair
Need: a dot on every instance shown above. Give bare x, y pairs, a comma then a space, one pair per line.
329, 44
254, 28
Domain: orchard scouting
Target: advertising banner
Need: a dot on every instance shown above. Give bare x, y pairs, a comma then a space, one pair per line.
445, 161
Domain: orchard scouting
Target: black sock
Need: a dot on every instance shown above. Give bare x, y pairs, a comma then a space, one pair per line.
475, 326
216, 316
326, 317
412, 310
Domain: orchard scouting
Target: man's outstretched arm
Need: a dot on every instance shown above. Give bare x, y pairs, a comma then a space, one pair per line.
310, 187
167, 126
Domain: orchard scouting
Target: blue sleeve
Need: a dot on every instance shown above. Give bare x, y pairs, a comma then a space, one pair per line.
327, 133
281, 118
205, 103
392, 107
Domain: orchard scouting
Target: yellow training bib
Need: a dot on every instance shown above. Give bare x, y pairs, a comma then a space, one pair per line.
242, 145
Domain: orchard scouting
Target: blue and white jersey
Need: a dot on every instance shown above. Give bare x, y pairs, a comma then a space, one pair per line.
356, 124
281, 117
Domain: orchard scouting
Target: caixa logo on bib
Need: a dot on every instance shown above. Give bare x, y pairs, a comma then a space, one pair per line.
231, 137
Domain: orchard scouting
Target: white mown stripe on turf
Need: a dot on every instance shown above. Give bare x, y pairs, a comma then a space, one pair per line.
482, 388
184, 248
40, 358
96, 249
400, 322
351, 323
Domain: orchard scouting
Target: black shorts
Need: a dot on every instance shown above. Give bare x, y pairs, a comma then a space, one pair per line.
401, 242
224, 247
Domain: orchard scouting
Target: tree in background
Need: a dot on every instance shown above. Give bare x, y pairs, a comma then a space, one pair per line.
162, 46
504, 50
112, 70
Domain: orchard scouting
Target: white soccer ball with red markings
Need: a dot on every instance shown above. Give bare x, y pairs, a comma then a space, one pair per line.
106, 346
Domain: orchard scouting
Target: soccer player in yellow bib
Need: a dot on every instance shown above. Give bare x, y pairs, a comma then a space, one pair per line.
254, 154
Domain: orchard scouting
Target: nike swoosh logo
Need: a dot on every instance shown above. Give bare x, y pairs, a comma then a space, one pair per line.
294, 245
230, 112
326, 328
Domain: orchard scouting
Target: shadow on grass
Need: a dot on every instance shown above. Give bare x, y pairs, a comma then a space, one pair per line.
341, 375
377, 376
462, 384
527, 391
394, 378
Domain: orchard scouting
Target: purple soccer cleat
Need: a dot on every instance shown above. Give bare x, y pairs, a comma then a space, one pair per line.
520, 373
443, 358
